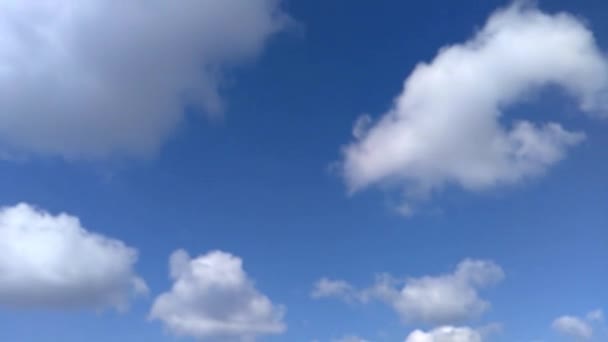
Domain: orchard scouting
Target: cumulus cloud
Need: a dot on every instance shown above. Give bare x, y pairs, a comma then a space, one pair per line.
94, 78
446, 334
213, 299
578, 328
52, 262
444, 299
447, 127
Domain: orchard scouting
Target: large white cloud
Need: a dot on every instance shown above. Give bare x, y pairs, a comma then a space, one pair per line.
446, 334
447, 126
52, 262
213, 299
444, 299
90, 78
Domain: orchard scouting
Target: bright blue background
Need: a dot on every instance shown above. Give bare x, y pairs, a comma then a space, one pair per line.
257, 184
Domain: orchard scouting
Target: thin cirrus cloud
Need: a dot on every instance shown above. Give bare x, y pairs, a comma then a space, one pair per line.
595, 316
437, 300
94, 78
213, 299
446, 127
52, 262
341, 289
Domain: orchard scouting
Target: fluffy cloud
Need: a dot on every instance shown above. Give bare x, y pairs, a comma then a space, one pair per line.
91, 78
446, 334
573, 326
213, 299
444, 299
52, 262
446, 127
576, 327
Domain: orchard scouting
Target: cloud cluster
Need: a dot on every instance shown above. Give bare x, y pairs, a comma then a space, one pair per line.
447, 127
52, 262
97, 78
212, 298
94, 78
444, 299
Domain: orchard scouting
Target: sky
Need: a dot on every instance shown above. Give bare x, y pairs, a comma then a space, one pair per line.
329, 171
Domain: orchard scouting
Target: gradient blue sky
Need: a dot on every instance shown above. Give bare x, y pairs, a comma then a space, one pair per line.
258, 183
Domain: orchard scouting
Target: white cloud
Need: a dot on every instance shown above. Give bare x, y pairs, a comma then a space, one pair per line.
446, 334
444, 299
573, 327
334, 288
446, 126
213, 299
52, 262
577, 327
93, 78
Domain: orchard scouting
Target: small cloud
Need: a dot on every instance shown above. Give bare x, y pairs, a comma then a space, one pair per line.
212, 298
596, 316
573, 327
443, 299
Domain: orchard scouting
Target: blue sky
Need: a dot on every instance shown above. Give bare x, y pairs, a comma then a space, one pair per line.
261, 179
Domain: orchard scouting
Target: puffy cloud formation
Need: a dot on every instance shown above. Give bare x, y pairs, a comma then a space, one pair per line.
213, 299
446, 334
444, 299
446, 127
52, 262
92, 78
576, 327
